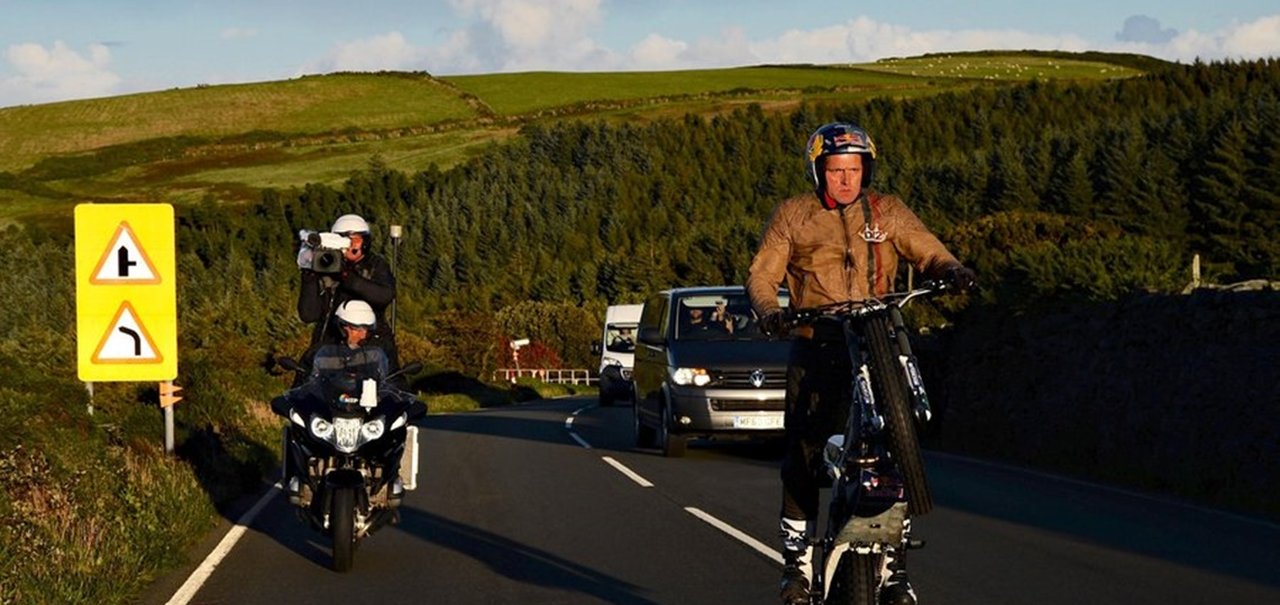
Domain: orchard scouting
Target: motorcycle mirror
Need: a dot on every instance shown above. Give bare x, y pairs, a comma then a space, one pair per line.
412, 368
289, 364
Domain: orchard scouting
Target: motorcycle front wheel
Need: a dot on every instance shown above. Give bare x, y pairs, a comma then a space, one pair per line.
891, 390
342, 517
855, 581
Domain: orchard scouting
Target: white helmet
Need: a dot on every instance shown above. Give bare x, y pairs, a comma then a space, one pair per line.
350, 223
357, 313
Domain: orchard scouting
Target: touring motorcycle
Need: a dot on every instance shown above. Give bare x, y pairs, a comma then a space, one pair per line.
350, 453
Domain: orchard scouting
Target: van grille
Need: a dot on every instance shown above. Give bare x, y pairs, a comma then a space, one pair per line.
744, 405
773, 379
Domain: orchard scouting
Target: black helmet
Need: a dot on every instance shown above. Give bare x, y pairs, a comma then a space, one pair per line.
839, 138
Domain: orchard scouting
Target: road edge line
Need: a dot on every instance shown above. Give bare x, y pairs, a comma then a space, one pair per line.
735, 533
198, 577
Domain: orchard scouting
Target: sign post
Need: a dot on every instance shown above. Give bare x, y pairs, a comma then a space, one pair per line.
126, 295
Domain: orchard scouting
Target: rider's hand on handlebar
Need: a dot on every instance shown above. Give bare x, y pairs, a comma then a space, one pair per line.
771, 323
962, 278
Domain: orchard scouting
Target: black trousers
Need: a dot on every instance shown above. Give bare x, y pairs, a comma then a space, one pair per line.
819, 376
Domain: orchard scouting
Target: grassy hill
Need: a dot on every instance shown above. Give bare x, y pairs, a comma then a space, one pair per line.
227, 142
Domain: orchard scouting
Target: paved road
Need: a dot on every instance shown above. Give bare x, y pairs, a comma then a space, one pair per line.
514, 507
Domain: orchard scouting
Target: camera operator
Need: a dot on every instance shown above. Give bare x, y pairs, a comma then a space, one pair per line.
337, 267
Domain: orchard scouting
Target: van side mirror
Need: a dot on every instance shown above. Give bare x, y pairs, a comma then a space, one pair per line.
651, 336
595, 347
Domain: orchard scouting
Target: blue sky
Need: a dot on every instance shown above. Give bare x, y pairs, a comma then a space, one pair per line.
53, 50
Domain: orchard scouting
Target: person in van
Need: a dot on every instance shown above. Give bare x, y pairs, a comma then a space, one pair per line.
840, 242
622, 341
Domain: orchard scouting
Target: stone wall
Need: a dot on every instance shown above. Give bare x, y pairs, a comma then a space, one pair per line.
1178, 394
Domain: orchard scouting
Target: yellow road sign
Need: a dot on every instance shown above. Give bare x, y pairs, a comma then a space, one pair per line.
126, 294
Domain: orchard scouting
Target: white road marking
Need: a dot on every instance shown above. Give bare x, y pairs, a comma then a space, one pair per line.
736, 534
580, 440
568, 426
202, 573
622, 468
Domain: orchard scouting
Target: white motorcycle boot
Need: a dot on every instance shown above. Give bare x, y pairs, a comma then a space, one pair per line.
797, 557
896, 589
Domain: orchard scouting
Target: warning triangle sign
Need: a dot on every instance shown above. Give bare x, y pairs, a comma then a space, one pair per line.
127, 340
124, 261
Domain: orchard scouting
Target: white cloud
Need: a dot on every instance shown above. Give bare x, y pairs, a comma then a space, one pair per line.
864, 39
522, 35
388, 51
1252, 40
56, 73
657, 52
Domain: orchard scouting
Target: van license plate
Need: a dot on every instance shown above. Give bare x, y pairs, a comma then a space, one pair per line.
772, 421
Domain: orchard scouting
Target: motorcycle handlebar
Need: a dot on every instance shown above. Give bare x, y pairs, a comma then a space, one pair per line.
860, 308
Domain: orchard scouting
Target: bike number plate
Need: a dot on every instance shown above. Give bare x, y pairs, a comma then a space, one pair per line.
771, 421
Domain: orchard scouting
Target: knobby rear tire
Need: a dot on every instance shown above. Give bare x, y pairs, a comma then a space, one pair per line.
342, 522
892, 391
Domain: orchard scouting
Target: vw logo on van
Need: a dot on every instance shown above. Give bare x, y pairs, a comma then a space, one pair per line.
757, 378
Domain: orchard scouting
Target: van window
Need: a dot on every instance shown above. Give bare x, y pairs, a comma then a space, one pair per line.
620, 338
652, 315
726, 316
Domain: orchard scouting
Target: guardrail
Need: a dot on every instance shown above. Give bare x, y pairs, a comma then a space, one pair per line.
550, 376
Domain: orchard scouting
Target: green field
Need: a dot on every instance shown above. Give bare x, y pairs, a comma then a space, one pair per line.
1014, 67
230, 141
524, 93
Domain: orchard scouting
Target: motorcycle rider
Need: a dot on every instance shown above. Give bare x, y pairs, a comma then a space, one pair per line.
839, 243
356, 321
364, 276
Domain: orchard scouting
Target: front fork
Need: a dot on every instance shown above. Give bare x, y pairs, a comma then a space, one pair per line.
919, 398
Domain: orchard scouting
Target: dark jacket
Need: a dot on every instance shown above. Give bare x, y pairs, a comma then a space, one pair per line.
320, 296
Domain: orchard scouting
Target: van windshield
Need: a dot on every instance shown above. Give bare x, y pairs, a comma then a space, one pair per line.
620, 338
726, 316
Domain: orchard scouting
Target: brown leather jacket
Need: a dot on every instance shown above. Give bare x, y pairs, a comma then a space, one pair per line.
826, 254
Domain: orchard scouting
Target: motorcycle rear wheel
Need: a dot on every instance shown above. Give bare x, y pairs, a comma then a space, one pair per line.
891, 389
342, 517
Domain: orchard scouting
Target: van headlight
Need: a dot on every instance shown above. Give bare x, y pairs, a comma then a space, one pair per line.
691, 376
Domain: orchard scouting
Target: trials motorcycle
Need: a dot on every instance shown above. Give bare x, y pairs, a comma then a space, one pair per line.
349, 450
876, 467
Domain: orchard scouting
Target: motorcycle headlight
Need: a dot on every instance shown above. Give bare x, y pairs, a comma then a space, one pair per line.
691, 376
346, 434
372, 430
321, 428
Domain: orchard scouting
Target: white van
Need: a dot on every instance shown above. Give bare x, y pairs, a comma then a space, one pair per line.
616, 348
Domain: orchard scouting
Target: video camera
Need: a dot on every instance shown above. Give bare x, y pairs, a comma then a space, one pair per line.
326, 250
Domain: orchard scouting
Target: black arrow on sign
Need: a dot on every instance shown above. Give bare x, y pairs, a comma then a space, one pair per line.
122, 258
137, 340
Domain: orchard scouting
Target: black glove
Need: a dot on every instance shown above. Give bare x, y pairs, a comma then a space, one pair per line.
771, 323
962, 278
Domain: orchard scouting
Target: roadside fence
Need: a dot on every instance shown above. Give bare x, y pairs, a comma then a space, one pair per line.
549, 376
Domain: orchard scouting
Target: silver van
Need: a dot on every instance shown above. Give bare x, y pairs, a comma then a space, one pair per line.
703, 369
